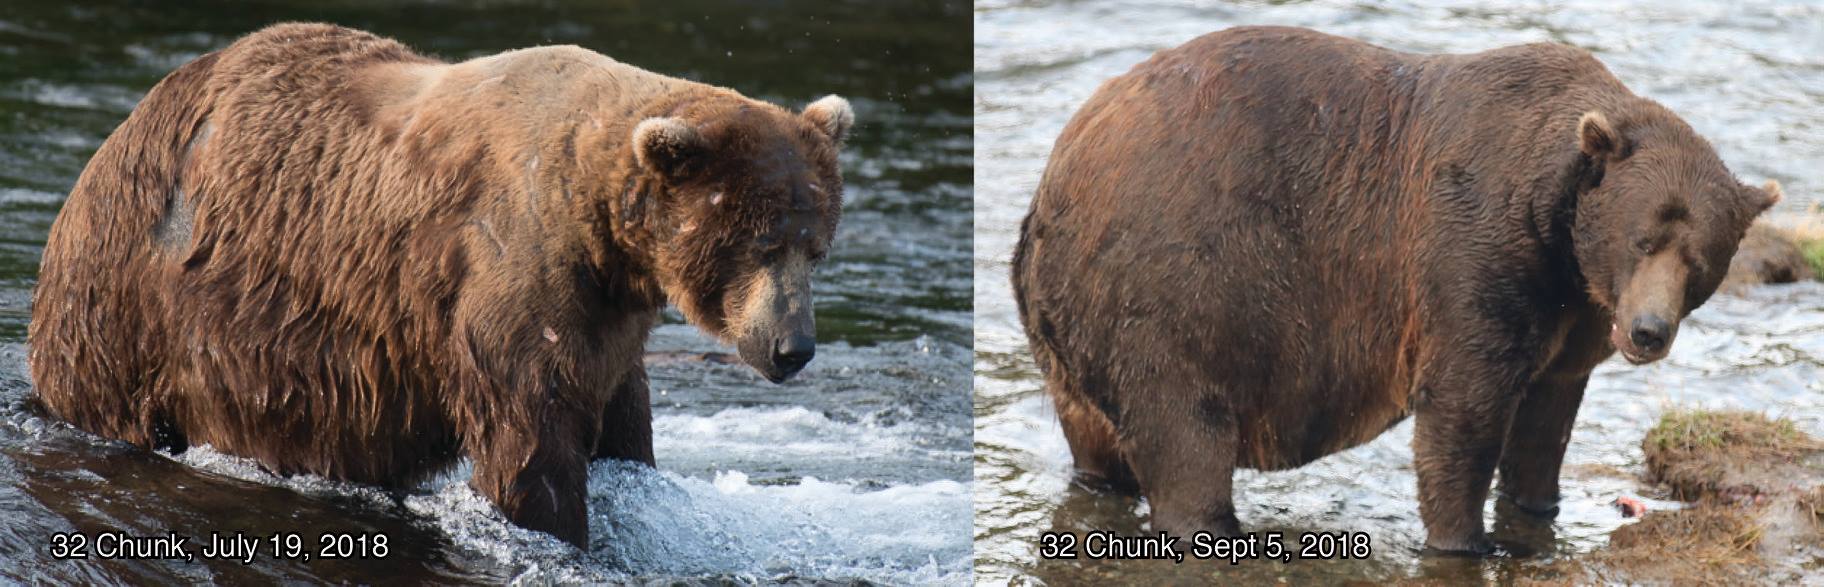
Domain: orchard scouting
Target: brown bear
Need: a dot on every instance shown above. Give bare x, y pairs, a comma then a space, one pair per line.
320, 250
1270, 244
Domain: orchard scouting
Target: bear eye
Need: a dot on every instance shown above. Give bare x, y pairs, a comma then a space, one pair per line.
1644, 246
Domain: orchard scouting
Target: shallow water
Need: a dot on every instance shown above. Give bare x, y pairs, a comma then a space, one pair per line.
856, 469
1748, 75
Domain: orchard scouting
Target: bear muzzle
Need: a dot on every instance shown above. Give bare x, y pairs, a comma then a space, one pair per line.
793, 352
778, 359
1647, 338
1646, 319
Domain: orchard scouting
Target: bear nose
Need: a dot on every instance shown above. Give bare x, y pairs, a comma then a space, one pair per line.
1650, 333
793, 352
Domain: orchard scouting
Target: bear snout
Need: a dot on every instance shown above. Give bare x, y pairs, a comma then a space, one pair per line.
793, 352
1646, 319
1650, 333
778, 329
778, 358
1647, 338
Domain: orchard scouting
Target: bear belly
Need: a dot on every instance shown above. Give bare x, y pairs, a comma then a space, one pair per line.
1291, 436
298, 413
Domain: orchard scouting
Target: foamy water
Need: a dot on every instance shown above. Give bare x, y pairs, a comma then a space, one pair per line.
648, 523
730, 498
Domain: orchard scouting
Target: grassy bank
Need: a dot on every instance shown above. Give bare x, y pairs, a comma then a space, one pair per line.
1755, 487
1814, 254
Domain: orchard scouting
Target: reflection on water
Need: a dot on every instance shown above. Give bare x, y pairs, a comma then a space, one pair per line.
856, 469
1748, 75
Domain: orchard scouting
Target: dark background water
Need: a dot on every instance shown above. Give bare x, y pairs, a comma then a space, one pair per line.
754, 475
1747, 74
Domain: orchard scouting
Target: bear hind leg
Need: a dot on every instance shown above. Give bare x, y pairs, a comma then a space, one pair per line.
165, 433
1094, 446
1184, 461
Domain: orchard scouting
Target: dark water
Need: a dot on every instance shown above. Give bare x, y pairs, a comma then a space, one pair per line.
1749, 75
857, 469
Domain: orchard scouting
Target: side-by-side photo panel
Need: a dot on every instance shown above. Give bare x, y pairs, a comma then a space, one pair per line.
1325, 292
912, 292
485, 292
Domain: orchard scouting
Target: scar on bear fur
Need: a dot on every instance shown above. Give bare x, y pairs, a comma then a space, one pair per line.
1270, 244
320, 250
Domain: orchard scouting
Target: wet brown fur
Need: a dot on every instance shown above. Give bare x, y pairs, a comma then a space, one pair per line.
322, 251
1270, 244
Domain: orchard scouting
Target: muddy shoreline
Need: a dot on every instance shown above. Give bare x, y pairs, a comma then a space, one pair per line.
1752, 489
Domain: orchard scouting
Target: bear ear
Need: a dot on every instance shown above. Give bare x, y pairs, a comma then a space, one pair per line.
1772, 189
831, 115
1596, 137
665, 144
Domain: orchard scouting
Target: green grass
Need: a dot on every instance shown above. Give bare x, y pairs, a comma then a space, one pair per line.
1690, 430
1699, 453
1697, 431
1814, 254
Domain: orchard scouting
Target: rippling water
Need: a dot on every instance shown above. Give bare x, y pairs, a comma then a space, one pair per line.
1749, 75
857, 469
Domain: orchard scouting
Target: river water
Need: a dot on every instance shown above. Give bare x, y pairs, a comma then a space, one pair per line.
1749, 75
858, 469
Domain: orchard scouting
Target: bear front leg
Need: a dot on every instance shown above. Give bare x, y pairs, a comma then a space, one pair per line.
1541, 429
1456, 444
1183, 459
1536, 440
537, 473
626, 428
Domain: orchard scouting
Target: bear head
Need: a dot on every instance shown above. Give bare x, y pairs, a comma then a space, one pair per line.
748, 197
1657, 222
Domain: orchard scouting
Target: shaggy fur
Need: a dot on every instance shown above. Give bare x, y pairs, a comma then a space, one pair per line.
1269, 245
322, 251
